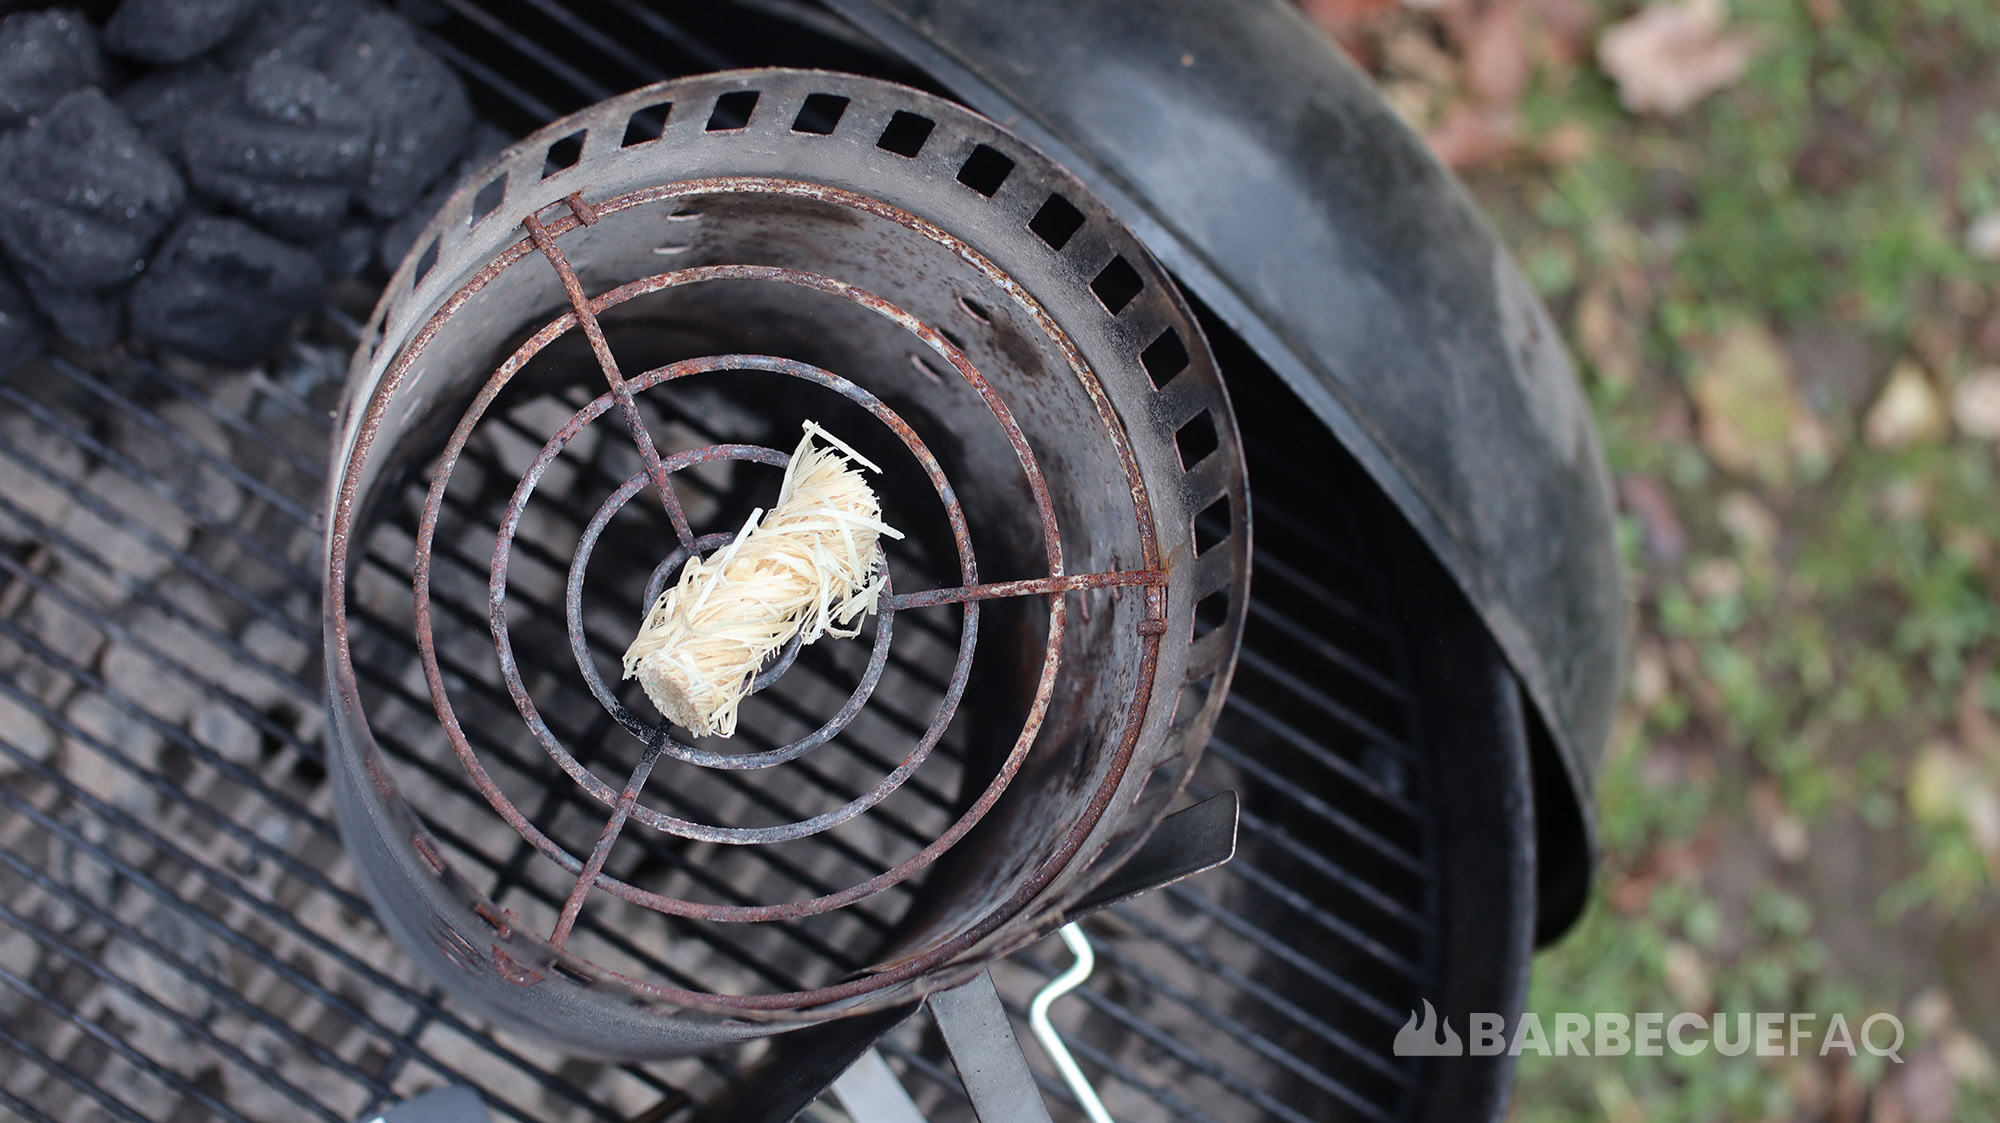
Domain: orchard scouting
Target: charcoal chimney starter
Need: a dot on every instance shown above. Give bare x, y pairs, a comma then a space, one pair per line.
689, 269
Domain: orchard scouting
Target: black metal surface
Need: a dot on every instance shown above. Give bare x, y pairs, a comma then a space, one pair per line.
1186, 843
1268, 174
980, 1038
1375, 839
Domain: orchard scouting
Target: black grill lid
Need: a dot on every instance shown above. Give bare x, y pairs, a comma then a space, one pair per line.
1270, 177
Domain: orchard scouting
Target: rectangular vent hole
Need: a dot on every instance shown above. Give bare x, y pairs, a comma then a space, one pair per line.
1116, 284
1162, 776
1196, 439
906, 134
732, 111
646, 124
564, 154
1057, 222
1210, 611
928, 367
820, 114
1164, 357
1211, 525
426, 262
1193, 697
489, 197
985, 170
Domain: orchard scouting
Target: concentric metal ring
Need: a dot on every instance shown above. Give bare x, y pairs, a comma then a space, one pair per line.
591, 873
657, 740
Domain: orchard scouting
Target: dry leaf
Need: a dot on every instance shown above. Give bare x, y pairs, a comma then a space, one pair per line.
1975, 405
1982, 822
1564, 27
1566, 143
1686, 976
1409, 49
1969, 546
1782, 830
1906, 412
1945, 784
1752, 420
1672, 55
1416, 75
1649, 678
1937, 340
1716, 579
1930, 1012
1340, 16
1967, 1059
1606, 335
1749, 522
1470, 135
1496, 58
1664, 864
1936, 780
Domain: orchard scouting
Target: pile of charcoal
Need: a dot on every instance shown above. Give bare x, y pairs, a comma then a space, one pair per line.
189, 175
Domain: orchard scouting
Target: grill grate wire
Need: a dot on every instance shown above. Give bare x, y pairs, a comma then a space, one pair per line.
1200, 1009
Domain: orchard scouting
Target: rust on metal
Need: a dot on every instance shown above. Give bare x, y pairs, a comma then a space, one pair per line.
513, 970
593, 331
499, 919
584, 212
427, 852
1037, 586
573, 906
1150, 576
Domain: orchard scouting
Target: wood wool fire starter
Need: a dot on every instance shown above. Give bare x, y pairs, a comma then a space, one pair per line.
806, 568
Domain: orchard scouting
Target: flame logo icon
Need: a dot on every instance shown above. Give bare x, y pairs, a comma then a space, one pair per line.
1420, 1038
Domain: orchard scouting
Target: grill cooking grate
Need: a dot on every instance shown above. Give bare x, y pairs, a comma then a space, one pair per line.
181, 938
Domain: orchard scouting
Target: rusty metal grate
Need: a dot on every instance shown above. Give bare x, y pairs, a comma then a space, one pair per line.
180, 937
272, 951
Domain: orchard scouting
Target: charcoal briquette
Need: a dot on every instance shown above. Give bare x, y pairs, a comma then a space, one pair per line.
22, 335
90, 320
88, 195
486, 143
288, 150
163, 102
44, 55
293, 30
164, 32
397, 237
418, 107
347, 252
223, 291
